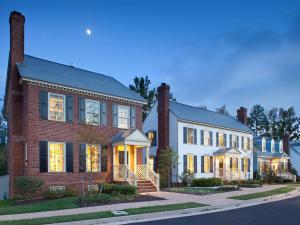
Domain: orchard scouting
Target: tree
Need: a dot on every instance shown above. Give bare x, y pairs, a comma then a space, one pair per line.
273, 122
3, 146
141, 85
288, 123
166, 160
222, 110
3, 130
88, 134
258, 120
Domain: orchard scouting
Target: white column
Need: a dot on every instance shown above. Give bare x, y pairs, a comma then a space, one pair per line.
147, 162
135, 159
114, 161
125, 161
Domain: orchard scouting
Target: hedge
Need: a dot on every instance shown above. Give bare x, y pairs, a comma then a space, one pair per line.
124, 189
206, 182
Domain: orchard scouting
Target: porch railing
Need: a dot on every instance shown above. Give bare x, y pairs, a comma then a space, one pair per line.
287, 176
230, 175
123, 173
153, 177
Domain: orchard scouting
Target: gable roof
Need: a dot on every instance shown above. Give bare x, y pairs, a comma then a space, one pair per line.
37, 69
257, 141
198, 115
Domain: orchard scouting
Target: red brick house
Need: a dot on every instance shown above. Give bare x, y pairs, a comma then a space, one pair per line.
46, 106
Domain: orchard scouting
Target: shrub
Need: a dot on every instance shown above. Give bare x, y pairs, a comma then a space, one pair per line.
186, 179
116, 189
206, 182
28, 186
103, 198
56, 193
250, 183
167, 159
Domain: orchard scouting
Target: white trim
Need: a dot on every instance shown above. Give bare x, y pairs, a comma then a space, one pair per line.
129, 118
99, 159
80, 91
65, 155
64, 106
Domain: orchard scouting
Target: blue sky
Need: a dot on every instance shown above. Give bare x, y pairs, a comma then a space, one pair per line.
237, 53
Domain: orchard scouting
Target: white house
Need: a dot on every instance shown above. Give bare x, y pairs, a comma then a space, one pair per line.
208, 144
295, 155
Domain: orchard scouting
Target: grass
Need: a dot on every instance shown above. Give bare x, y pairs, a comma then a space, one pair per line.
200, 190
264, 194
99, 215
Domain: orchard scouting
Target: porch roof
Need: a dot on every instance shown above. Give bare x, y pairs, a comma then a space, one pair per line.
131, 137
226, 151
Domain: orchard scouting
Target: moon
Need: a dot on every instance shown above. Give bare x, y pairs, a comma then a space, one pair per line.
88, 32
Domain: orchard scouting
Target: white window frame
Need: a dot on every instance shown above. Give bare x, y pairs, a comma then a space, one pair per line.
272, 146
221, 133
128, 108
208, 137
99, 159
64, 106
234, 139
263, 145
99, 117
65, 155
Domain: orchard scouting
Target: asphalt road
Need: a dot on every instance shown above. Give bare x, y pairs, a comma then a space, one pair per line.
285, 212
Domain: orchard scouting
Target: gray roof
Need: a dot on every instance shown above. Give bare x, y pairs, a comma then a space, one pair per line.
223, 151
198, 115
257, 141
70, 76
120, 137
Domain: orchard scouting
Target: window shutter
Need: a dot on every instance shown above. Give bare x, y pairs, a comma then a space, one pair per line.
185, 163
238, 142
258, 166
132, 117
195, 164
230, 140
69, 160
82, 158
69, 108
211, 138
43, 156
242, 164
202, 164
230, 162
249, 164
184, 135
104, 158
242, 142
225, 140
115, 115
103, 117
195, 136
201, 137
81, 110
43, 104
154, 138
211, 164
237, 163
217, 139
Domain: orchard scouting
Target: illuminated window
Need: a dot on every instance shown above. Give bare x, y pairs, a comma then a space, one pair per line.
92, 110
235, 141
233, 164
221, 140
152, 137
190, 163
92, 158
245, 165
56, 107
207, 165
246, 143
123, 117
56, 152
207, 140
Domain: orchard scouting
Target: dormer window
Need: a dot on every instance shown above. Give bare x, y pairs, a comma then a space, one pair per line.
272, 146
280, 147
263, 145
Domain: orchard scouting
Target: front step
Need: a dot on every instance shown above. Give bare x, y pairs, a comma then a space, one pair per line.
145, 186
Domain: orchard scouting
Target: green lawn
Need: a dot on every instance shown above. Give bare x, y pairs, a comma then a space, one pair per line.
264, 194
10, 206
99, 215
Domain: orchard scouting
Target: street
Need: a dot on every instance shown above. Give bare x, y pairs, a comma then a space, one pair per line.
286, 212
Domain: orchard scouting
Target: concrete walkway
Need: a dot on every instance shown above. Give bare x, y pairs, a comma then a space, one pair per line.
214, 200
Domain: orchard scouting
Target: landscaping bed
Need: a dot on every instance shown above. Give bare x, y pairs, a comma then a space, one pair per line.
202, 190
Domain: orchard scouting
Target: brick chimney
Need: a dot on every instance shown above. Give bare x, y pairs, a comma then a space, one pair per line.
242, 115
163, 116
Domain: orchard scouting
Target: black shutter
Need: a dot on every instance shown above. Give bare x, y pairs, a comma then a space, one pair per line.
43, 156
238, 142
184, 135
225, 140
82, 158
202, 164
185, 163
249, 164
104, 158
132, 118
195, 164
69, 108
211, 138
242, 164
217, 139
230, 140
81, 110
201, 137
103, 113
115, 115
211, 164
230, 165
195, 136
242, 142
69, 155
44, 104
154, 138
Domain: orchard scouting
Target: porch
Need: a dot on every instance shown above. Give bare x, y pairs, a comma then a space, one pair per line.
229, 165
131, 161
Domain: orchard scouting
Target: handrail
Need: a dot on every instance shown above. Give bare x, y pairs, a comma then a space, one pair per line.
153, 177
287, 175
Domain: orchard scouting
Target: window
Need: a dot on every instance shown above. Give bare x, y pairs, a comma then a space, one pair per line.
104, 158
233, 164
56, 107
246, 143
263, 145
207, 164
92, 112
235, 141
152, 137
92, 158
245, 164
123, 117
207, 138
190, 163
189, 136
56, 160
222, 139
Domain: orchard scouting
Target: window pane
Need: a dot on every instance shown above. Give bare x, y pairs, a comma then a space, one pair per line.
56, 107
123, 117
92, 112
190, 163
221, 140
92, 158
206, 138
234, 141
206, 164
190, 136
56, 157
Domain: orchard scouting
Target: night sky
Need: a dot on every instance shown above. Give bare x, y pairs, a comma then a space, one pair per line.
237, 53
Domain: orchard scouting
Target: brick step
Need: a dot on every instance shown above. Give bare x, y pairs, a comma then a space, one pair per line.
145, 186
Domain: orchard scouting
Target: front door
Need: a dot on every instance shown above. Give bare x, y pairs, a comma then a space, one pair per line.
122, 158
221, 166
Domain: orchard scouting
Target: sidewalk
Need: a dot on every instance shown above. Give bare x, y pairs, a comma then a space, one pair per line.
214, 200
